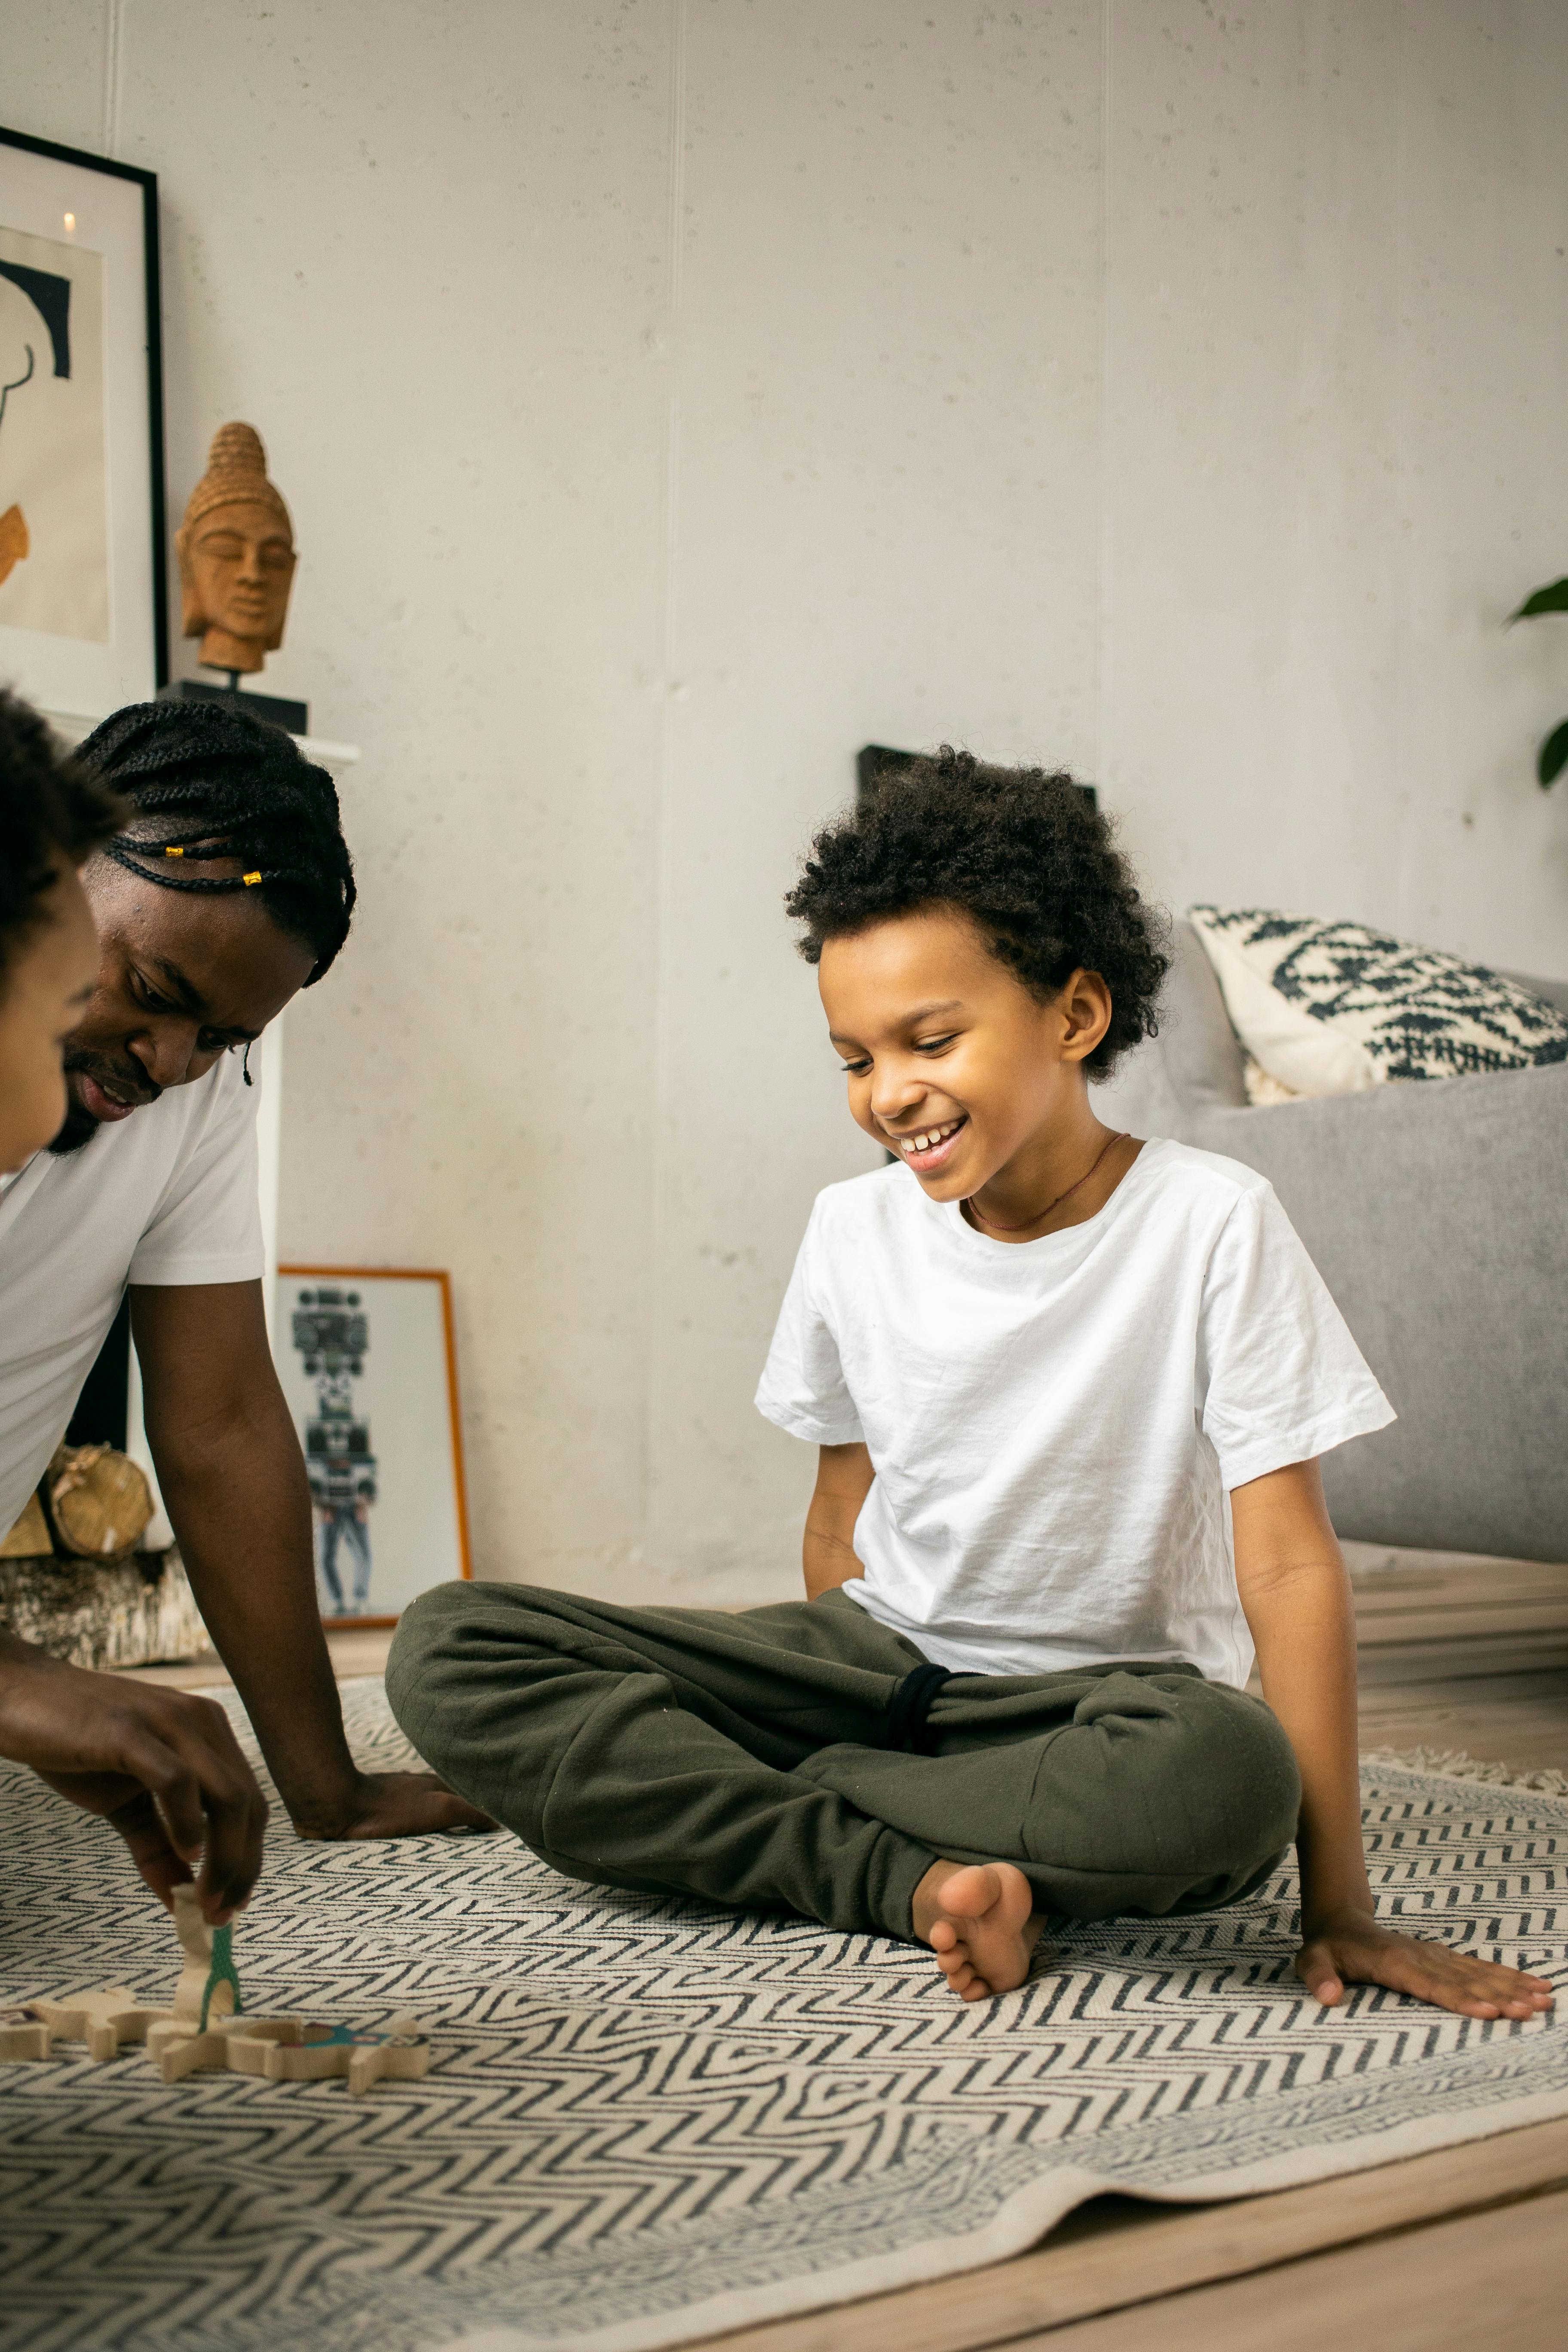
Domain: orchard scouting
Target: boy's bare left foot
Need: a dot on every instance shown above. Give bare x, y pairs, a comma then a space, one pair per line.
978, 1920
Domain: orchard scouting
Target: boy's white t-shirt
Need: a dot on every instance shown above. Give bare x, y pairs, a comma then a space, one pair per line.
169, 1195
1056, 1424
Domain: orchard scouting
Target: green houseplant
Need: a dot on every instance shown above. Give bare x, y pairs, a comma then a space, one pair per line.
1553, 756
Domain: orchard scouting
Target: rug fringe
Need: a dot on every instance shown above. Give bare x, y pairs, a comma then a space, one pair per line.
1459, 1766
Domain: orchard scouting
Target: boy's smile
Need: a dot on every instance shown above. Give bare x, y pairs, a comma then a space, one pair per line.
930, 1147
969, 1076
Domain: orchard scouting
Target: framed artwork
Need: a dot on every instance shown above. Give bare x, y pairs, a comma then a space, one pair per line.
369, 1367
83, 604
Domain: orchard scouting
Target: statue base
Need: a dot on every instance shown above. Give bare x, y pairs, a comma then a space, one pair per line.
274, 710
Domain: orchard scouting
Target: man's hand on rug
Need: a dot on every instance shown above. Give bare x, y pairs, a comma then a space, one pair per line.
1349, 1947
393, 1804
162, 1767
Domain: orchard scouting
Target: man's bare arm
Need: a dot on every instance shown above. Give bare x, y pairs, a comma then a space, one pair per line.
1294, 1589
233, 1478
844, 1475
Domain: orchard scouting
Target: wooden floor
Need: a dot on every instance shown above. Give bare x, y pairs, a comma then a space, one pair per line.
1456, 1652
1463, 2247
1461, 2250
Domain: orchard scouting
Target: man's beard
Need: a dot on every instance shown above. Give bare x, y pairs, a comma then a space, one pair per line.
77, 1131
80, 1126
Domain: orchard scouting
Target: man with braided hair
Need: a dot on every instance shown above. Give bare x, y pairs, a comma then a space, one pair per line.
227, 889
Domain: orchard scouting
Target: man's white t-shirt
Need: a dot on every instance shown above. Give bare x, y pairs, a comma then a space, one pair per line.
1056, 1424
168, 1195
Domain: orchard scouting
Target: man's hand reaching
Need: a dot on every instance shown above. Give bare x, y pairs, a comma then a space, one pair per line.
392, 1804
162, 1767
1350, 1947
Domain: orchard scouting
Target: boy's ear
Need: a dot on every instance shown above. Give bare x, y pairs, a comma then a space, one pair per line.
1084, 1006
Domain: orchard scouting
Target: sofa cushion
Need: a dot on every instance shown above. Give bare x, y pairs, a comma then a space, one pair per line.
1437, 1217
1335, 1008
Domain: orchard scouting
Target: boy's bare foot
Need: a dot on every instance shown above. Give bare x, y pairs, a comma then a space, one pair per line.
978, 1920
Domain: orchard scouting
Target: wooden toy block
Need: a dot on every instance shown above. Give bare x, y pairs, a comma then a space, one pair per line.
402, 2053
205, 2029
109, 2018
208, 1986
292, 2050
105, 2020
22, 2033
177, 2048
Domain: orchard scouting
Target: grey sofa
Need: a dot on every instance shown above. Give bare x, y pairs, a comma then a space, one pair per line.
1437, 1213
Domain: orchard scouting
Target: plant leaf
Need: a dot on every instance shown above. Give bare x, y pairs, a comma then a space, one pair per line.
1552, 757
1553, 599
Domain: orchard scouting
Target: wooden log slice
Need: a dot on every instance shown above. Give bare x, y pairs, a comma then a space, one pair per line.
98, 1502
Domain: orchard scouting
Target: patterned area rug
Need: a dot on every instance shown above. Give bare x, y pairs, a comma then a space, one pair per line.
648, 2121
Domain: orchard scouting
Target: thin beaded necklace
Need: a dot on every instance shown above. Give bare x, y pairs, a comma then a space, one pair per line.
997, 1226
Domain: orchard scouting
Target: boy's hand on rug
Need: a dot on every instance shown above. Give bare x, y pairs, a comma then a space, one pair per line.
162, 1767
394, 1804
978, 1918
1349, 1947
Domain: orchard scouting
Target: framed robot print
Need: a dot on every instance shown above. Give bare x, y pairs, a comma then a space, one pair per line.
83, 617
369, 1368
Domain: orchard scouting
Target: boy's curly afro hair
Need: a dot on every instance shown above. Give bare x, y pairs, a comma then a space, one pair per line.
1025, 854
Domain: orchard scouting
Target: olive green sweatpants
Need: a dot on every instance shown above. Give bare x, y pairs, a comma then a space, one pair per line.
738, 1758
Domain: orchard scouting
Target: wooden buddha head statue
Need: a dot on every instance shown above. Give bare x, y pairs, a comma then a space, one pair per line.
236, 555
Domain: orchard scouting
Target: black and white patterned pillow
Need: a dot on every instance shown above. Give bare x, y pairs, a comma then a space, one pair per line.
1414, 1011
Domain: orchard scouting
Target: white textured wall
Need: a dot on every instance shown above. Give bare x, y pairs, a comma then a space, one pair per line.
672, 397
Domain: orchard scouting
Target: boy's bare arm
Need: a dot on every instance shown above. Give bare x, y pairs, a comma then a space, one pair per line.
1296, 1596
844, 1475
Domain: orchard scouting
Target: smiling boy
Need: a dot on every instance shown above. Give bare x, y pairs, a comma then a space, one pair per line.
1069, 1390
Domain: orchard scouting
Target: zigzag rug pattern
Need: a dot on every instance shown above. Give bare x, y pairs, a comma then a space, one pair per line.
648, 2120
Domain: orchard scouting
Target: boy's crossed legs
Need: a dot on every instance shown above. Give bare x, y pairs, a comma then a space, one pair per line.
739, 1758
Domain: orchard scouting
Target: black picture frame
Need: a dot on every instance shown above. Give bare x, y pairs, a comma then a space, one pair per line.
80, 160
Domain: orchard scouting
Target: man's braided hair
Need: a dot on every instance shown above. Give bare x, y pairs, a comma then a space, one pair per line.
1026, 855
210, 785
50, 810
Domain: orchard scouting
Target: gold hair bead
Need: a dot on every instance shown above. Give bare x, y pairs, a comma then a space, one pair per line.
250, 879
169, 851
